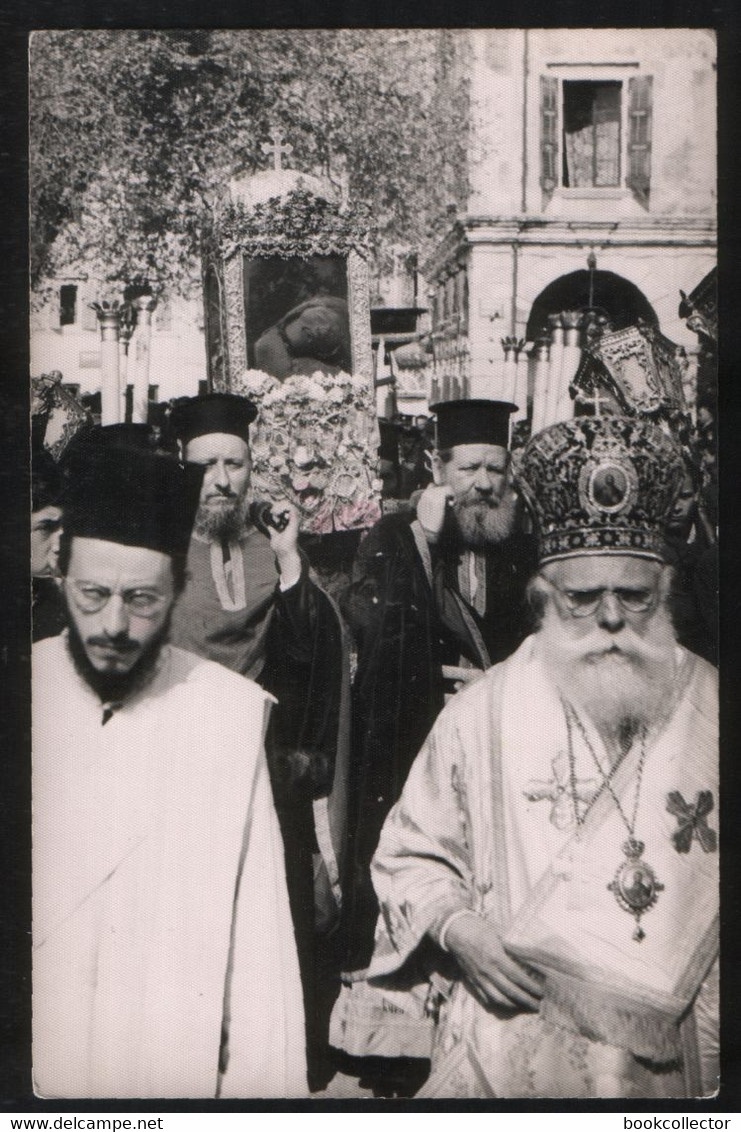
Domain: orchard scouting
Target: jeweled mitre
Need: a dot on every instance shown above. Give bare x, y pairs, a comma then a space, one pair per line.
600, 485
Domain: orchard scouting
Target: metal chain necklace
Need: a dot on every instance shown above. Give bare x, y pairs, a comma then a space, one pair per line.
635, 884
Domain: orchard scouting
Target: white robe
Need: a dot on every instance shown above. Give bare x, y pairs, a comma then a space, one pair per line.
160, 911
485, 822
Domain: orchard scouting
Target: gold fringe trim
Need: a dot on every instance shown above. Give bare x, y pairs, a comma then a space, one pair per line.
603, 1014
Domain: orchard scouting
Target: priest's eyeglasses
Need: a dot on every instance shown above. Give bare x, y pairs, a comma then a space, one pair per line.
90, 598
582, 603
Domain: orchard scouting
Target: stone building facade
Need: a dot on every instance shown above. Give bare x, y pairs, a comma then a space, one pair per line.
65, 337
591, 182
592, 169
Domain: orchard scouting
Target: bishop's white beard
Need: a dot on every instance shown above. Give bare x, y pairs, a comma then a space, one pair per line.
622, 681
483, 523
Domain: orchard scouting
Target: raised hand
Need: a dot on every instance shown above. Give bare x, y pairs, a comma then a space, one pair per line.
431, 509
285, 542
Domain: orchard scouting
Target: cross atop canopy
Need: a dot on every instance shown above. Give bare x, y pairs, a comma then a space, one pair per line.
277, 149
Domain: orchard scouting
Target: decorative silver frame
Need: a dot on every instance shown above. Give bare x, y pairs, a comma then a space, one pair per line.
236, 233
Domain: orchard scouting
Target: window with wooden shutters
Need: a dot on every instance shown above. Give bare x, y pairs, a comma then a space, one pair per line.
639, 137
591, 134
548, 136
67, 304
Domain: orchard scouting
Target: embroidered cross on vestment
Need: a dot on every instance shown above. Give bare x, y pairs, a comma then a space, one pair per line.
693, 821
559, 791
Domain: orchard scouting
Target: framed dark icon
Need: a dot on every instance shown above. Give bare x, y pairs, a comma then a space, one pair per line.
296, 315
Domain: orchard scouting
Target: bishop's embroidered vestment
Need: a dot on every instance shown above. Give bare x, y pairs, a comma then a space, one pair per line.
479, 826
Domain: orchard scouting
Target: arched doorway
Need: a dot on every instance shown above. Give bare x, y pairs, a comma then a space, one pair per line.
620, 299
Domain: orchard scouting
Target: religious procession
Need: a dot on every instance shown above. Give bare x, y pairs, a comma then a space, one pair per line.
374, 556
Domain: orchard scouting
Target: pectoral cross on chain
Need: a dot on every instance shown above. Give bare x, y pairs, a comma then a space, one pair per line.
563, 793
276, 148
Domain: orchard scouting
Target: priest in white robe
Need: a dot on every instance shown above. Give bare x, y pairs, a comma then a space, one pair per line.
164, 962
551, 868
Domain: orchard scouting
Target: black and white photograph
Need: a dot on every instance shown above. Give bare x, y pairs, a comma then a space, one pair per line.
374, 554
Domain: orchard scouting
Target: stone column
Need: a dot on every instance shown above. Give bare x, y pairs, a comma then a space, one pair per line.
144, 304
571, 357
554, 370
540, 370
109, 315
514, 384
508, 373
125, 330
521, 384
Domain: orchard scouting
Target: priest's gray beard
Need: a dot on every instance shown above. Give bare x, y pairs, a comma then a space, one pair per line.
222, 520
485, 522
622, 681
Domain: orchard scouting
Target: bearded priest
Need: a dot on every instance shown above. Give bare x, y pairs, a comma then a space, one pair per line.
437, 597
552, 861
251, 604
164, 961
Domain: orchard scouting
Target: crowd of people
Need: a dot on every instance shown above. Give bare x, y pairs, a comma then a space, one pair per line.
435, 834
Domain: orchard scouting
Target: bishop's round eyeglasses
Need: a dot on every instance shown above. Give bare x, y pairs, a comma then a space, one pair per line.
90, 598
582, 603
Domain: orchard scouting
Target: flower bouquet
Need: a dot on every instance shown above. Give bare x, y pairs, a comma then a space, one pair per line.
315, 443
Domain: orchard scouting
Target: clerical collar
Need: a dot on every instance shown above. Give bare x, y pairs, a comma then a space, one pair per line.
228, 577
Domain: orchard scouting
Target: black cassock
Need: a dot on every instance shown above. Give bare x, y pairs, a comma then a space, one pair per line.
305, 670
408, 619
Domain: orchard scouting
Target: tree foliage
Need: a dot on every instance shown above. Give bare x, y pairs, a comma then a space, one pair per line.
134, 133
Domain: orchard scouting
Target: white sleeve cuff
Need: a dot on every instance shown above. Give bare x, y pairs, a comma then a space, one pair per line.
457, 915
286, 583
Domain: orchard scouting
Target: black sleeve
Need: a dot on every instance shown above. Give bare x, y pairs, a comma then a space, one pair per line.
381, 584
294, 619
303, 670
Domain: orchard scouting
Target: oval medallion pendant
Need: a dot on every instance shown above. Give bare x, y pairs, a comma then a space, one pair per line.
635, 885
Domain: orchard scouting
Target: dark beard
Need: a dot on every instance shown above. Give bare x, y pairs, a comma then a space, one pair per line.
224, 525
117, 687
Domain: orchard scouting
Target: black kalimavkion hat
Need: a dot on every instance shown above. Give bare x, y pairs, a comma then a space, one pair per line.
214, 412
600, 485
472, 422
143, 437
131, 496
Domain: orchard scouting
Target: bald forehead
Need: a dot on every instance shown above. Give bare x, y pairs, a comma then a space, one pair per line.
97, 560
490, 455
217, 445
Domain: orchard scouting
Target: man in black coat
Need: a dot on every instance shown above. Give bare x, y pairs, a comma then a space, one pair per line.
436, 598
